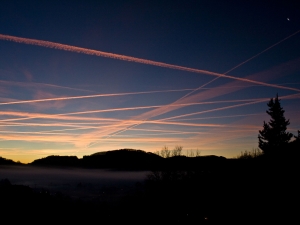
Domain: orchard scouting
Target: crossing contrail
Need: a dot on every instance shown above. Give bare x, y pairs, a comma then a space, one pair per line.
136, 122
202, 86
228, 107
87, 51
62, 115
133, 59
88, 96
240, 64
267, 49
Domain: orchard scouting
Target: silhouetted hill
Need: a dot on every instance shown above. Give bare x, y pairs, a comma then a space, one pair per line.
131, 159
116, 159
182, 190
55, 160
4, 161
122, 159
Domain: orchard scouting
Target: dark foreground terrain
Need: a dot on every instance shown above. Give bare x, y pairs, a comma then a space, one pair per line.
235, 191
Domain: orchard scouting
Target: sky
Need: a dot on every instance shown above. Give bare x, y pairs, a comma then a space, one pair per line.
79, 77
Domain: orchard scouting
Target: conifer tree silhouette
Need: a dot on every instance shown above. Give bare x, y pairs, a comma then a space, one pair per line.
274, 137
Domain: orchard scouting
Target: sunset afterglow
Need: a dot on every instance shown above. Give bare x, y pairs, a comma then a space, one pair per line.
142, 76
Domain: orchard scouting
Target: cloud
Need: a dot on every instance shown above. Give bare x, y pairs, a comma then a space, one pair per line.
47, 105
39, 85
28, 75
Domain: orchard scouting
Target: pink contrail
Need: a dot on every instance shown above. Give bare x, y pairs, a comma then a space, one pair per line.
254, 101
120, 57
135, 122
278, 70
202, 86
61, 115
219, 117
70, 48
28, 116
228, 107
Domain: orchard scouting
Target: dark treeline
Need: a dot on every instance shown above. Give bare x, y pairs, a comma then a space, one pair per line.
126, 159
130, 159
219, 190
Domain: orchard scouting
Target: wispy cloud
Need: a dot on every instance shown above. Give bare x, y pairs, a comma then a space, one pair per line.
39, 85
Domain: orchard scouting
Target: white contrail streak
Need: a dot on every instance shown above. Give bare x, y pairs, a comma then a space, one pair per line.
88, 96
252, 101
242, 63
70, 48
202, 86
267, 49
229, 107
56, 116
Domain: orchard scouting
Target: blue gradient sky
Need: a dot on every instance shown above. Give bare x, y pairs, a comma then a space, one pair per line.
222, 118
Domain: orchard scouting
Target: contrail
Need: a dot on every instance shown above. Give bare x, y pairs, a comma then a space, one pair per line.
58, 116
219, 117
228, 107
155, 106
169, 107
78, 126
34, 132
70, 48
135, 123
167, 131
254, 101
28, 116
267, 49
128, 58
182, 132
249, 101
89, 96
202, 86
242, 63
112, 94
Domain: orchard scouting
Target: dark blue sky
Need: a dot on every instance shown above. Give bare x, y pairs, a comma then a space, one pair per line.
213, 36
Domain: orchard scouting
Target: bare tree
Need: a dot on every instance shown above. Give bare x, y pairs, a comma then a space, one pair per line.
177, 150
198, 153
165, 152
190, 153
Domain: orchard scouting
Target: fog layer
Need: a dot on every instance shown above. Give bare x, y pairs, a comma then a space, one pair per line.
85, 184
